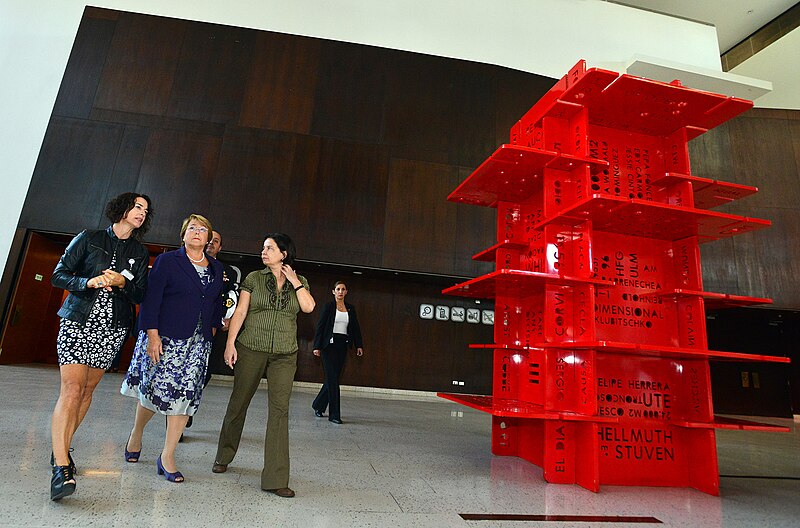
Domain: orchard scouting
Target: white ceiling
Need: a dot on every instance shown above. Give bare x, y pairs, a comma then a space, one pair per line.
736, 20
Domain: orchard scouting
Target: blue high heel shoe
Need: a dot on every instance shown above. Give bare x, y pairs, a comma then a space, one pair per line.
176, 477
131, 456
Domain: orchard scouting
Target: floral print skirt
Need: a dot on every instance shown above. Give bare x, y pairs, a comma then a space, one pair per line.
174, 385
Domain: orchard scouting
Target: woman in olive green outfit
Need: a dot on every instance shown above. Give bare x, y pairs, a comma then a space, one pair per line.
265, 323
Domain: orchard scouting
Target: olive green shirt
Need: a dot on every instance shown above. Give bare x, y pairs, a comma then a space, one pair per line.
271, 322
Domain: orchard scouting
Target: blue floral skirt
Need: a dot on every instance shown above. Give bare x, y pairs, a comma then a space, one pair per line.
174, 385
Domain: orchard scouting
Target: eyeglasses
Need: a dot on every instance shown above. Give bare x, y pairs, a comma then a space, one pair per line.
194, 229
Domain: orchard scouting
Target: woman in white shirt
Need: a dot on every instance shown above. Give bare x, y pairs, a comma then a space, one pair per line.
337, 330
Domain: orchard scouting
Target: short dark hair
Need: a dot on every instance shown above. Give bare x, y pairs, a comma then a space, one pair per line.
119, 206
335, 284
284, 243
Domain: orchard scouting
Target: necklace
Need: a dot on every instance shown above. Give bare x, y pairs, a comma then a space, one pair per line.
196, 261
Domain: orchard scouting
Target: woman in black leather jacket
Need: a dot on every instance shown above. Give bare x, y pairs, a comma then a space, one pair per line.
105, 272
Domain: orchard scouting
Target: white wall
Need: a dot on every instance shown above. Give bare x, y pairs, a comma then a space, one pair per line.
540, 36
778, 63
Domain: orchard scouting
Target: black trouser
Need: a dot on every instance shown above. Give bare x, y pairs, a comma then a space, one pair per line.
216, 358
333, 357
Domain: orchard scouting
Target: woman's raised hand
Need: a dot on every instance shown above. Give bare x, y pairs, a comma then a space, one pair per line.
290, 274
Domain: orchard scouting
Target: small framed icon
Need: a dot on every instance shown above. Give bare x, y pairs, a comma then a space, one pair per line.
457, 314
487, 317
442, 313
426, 311
473, 315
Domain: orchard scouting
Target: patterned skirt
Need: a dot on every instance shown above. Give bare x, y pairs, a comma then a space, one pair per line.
95, 343
93, 346
174, 385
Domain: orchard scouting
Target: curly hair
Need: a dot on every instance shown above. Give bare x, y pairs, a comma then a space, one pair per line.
118, 207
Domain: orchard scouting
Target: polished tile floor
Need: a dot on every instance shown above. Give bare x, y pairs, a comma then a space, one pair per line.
394, 463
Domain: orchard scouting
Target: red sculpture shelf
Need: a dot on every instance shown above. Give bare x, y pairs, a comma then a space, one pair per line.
600, 360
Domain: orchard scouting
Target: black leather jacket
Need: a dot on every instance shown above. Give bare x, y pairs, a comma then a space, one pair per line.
87, 256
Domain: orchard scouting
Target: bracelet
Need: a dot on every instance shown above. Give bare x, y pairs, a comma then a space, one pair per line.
301, 286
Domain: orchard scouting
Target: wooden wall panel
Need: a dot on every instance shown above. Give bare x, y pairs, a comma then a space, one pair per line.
516, 93
129, 161
302, 201
476, 230
720, 272
140, 69
281, 83
420, 224
178, 174
768, 261
473, 102
69, 185
341, 209
84, 68
428, 362
710, 158
709, 154
211, 73
351, 84
763, 156
418, 122
794, 131
251, 187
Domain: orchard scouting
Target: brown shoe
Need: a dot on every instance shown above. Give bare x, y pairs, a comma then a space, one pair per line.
219, 468
286, 493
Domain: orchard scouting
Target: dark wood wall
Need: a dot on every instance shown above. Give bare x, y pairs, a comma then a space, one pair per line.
350, 149
760, 148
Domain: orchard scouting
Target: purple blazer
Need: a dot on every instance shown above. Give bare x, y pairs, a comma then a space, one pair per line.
175, 298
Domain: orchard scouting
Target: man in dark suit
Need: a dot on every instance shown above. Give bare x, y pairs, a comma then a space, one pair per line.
230, 293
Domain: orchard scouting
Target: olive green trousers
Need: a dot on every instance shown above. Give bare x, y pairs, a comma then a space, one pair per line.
249, 368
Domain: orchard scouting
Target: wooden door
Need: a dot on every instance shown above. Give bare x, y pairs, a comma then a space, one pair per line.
32, 325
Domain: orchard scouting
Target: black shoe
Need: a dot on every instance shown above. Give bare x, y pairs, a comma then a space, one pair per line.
317, 413
59, 485
337, 421
189, 423
71, 462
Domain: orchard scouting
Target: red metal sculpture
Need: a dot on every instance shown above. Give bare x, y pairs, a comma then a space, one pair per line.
601, 363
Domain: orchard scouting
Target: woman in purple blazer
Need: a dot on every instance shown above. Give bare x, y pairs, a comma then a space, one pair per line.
182, 309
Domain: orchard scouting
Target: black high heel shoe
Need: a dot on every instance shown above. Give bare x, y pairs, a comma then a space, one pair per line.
71, 462
60, 485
